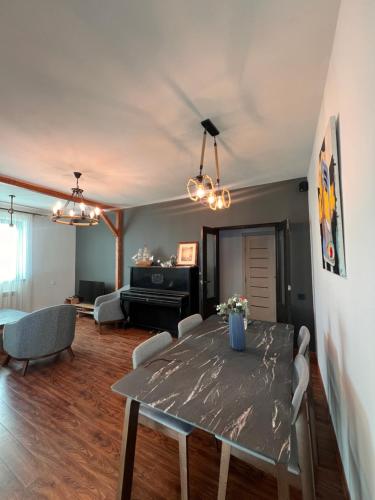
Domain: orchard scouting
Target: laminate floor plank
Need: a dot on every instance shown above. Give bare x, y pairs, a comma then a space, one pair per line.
61, 425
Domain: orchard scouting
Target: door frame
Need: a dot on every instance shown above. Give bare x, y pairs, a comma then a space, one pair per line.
207, 305
283, 314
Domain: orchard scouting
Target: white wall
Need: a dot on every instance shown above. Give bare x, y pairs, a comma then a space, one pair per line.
345, 307
231, 260
53, 262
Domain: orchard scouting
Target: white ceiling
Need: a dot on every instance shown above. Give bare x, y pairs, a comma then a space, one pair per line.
117, 90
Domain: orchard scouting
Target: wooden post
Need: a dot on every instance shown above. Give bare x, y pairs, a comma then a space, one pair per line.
119, 249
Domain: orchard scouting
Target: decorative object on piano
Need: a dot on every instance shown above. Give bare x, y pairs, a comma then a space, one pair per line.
201, 187
79, 214
142, 258
171, 262
187, 253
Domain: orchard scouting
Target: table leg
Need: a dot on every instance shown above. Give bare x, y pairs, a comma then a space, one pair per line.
282, 482
224, 470
129, 437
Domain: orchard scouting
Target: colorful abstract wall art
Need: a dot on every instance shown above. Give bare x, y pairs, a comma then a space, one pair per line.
330, 206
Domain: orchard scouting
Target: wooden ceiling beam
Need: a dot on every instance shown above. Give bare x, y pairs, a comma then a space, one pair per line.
51, 192
116, 229
109, 224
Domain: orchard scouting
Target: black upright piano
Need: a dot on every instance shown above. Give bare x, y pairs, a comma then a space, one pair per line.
159, 297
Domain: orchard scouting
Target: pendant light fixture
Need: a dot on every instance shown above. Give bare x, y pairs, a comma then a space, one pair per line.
75, 212
11, 210
222, 197
201, 188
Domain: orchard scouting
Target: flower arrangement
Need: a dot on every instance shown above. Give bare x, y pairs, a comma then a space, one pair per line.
237, 303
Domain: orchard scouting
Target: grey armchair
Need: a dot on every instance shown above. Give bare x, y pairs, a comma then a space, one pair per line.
107, 307
40, 334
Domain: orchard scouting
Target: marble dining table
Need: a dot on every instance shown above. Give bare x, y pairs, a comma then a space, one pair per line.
244, 397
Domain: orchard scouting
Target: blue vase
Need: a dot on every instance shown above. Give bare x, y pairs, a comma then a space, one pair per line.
237, 331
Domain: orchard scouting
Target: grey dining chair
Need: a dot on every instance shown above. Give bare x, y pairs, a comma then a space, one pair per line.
187, 324
303, 342
300, 470
158, 420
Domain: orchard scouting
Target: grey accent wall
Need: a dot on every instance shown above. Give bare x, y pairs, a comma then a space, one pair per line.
95, 255
161, 226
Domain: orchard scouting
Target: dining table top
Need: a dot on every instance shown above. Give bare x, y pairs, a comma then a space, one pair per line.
244, 397
10, 316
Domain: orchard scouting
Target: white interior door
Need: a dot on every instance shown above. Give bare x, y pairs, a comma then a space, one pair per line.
260, 276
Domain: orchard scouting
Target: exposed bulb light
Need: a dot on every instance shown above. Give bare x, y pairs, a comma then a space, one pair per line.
211, 198
97, 211
220, 203
200, 191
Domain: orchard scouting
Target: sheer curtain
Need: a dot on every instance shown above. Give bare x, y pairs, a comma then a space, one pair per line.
15, 262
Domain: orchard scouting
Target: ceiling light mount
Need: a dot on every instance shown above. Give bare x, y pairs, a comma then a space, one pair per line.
210, 127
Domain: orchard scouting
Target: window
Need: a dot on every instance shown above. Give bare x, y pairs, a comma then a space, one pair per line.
12, 251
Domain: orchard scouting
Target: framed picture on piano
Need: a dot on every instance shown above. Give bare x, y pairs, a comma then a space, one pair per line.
187, 253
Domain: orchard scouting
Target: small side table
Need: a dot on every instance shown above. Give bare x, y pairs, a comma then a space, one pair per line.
84, 309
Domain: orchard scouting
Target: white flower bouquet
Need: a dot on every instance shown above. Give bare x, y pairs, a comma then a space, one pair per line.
237, 303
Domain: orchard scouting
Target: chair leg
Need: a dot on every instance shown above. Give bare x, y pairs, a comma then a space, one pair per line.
184, 465
282, 482
312, 426
305, 454
24, 368
224, 470
70, 351
6, 360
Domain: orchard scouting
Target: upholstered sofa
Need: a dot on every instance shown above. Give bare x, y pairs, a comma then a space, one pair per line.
40, 334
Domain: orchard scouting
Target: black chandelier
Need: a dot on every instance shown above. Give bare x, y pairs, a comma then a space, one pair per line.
75, 212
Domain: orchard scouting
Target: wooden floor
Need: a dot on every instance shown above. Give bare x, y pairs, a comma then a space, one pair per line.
60, 430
